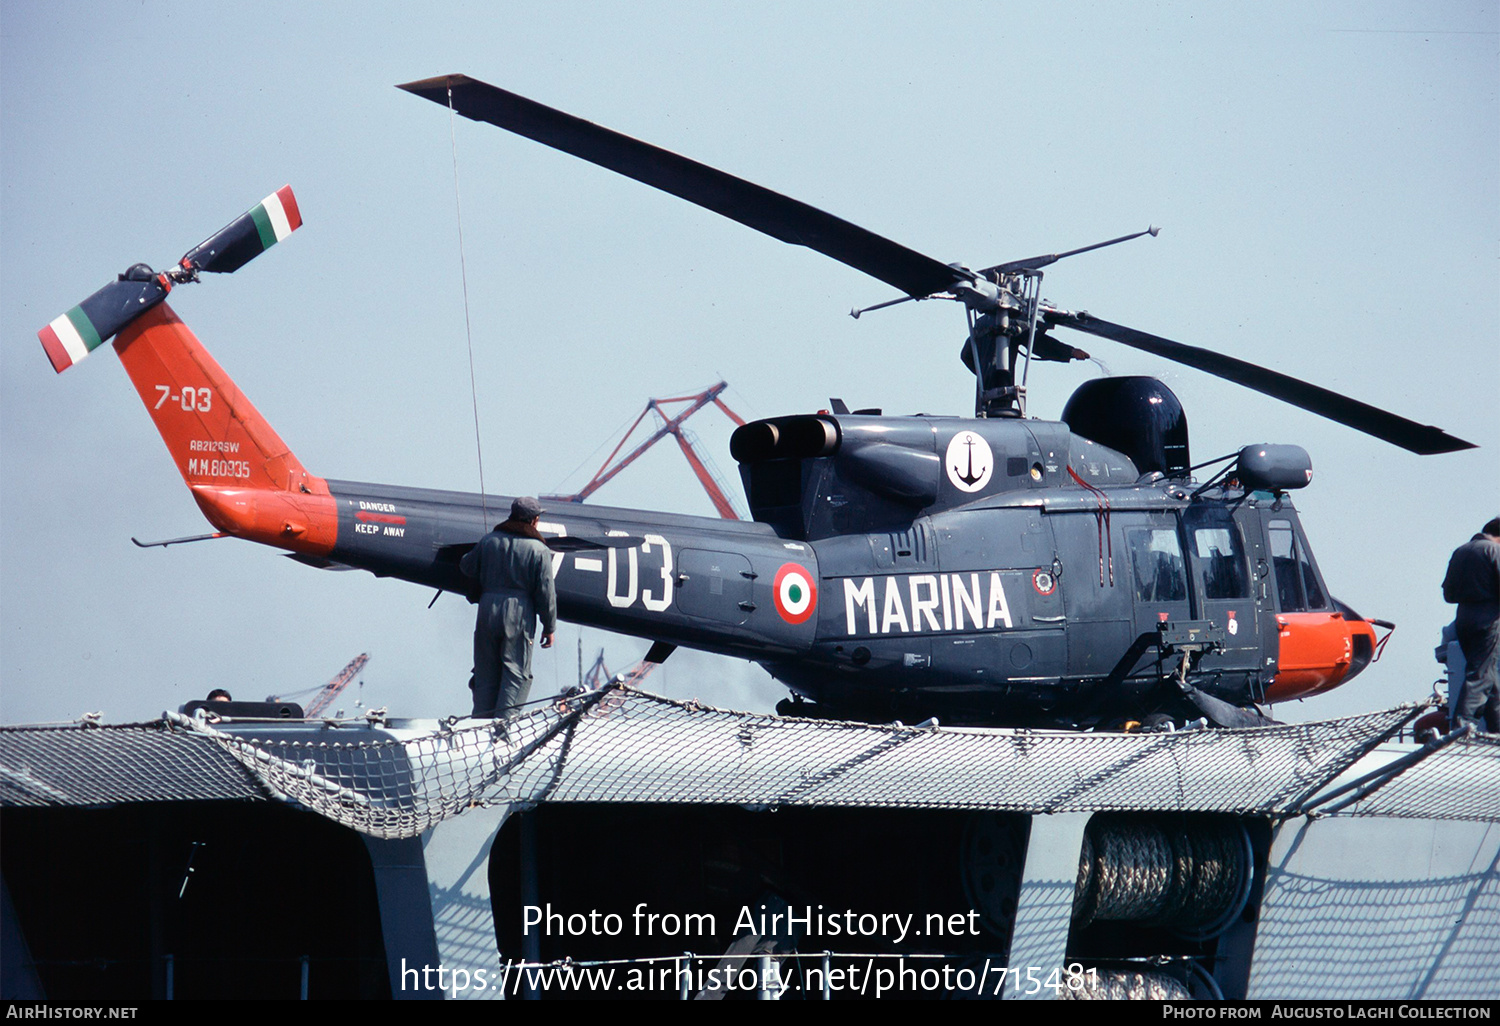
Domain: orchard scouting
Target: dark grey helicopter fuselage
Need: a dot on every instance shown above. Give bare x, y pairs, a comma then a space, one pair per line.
991, 570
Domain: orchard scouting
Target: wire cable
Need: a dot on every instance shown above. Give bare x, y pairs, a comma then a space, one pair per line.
463, 271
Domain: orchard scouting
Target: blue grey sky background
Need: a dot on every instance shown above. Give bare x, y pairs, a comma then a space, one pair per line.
1325, 175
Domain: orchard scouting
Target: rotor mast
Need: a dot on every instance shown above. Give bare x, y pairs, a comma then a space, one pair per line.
1000, 327
1003, 305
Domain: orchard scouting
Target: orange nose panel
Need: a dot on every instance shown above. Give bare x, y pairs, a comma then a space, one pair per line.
1318, 652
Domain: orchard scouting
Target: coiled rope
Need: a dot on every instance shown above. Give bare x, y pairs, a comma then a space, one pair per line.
1188, 875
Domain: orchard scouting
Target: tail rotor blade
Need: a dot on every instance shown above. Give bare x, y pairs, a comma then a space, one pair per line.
247, 236
93, 322
1422, 439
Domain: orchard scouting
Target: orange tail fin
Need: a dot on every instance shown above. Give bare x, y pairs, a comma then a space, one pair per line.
243, 476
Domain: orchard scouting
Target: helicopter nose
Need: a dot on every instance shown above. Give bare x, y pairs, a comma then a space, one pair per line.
1319, 651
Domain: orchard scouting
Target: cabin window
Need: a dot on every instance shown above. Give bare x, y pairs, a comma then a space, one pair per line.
1156, 556
1224, 574
1297, 588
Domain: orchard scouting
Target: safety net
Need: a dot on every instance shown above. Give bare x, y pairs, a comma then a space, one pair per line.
625, 745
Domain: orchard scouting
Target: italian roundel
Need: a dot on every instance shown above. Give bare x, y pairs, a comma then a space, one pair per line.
796, 594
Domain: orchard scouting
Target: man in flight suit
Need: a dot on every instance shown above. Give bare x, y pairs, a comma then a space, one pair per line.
1473, 582
514, 570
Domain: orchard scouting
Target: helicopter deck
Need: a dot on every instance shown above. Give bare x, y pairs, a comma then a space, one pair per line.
1320, 874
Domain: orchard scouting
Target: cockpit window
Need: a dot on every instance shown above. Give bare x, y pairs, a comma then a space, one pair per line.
1160, 575
1218, 552
1297, 587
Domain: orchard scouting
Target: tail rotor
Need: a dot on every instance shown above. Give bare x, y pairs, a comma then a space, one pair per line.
75, 334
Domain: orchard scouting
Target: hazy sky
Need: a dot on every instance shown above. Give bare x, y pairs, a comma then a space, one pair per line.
1325, 175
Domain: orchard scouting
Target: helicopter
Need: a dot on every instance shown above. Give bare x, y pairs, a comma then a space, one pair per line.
998, 570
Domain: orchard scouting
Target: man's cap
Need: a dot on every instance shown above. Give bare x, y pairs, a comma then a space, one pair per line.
525, 508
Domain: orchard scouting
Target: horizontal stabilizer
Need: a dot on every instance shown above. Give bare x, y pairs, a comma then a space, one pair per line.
566, 543
621, 541
659, 652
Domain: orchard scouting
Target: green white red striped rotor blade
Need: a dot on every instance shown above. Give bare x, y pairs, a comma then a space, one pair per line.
247, 236
93, 322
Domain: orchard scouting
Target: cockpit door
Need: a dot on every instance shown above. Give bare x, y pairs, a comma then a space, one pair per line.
1158, 571
1221, 577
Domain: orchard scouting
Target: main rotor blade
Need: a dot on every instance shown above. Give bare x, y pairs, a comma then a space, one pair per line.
778, 216
1408, 434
